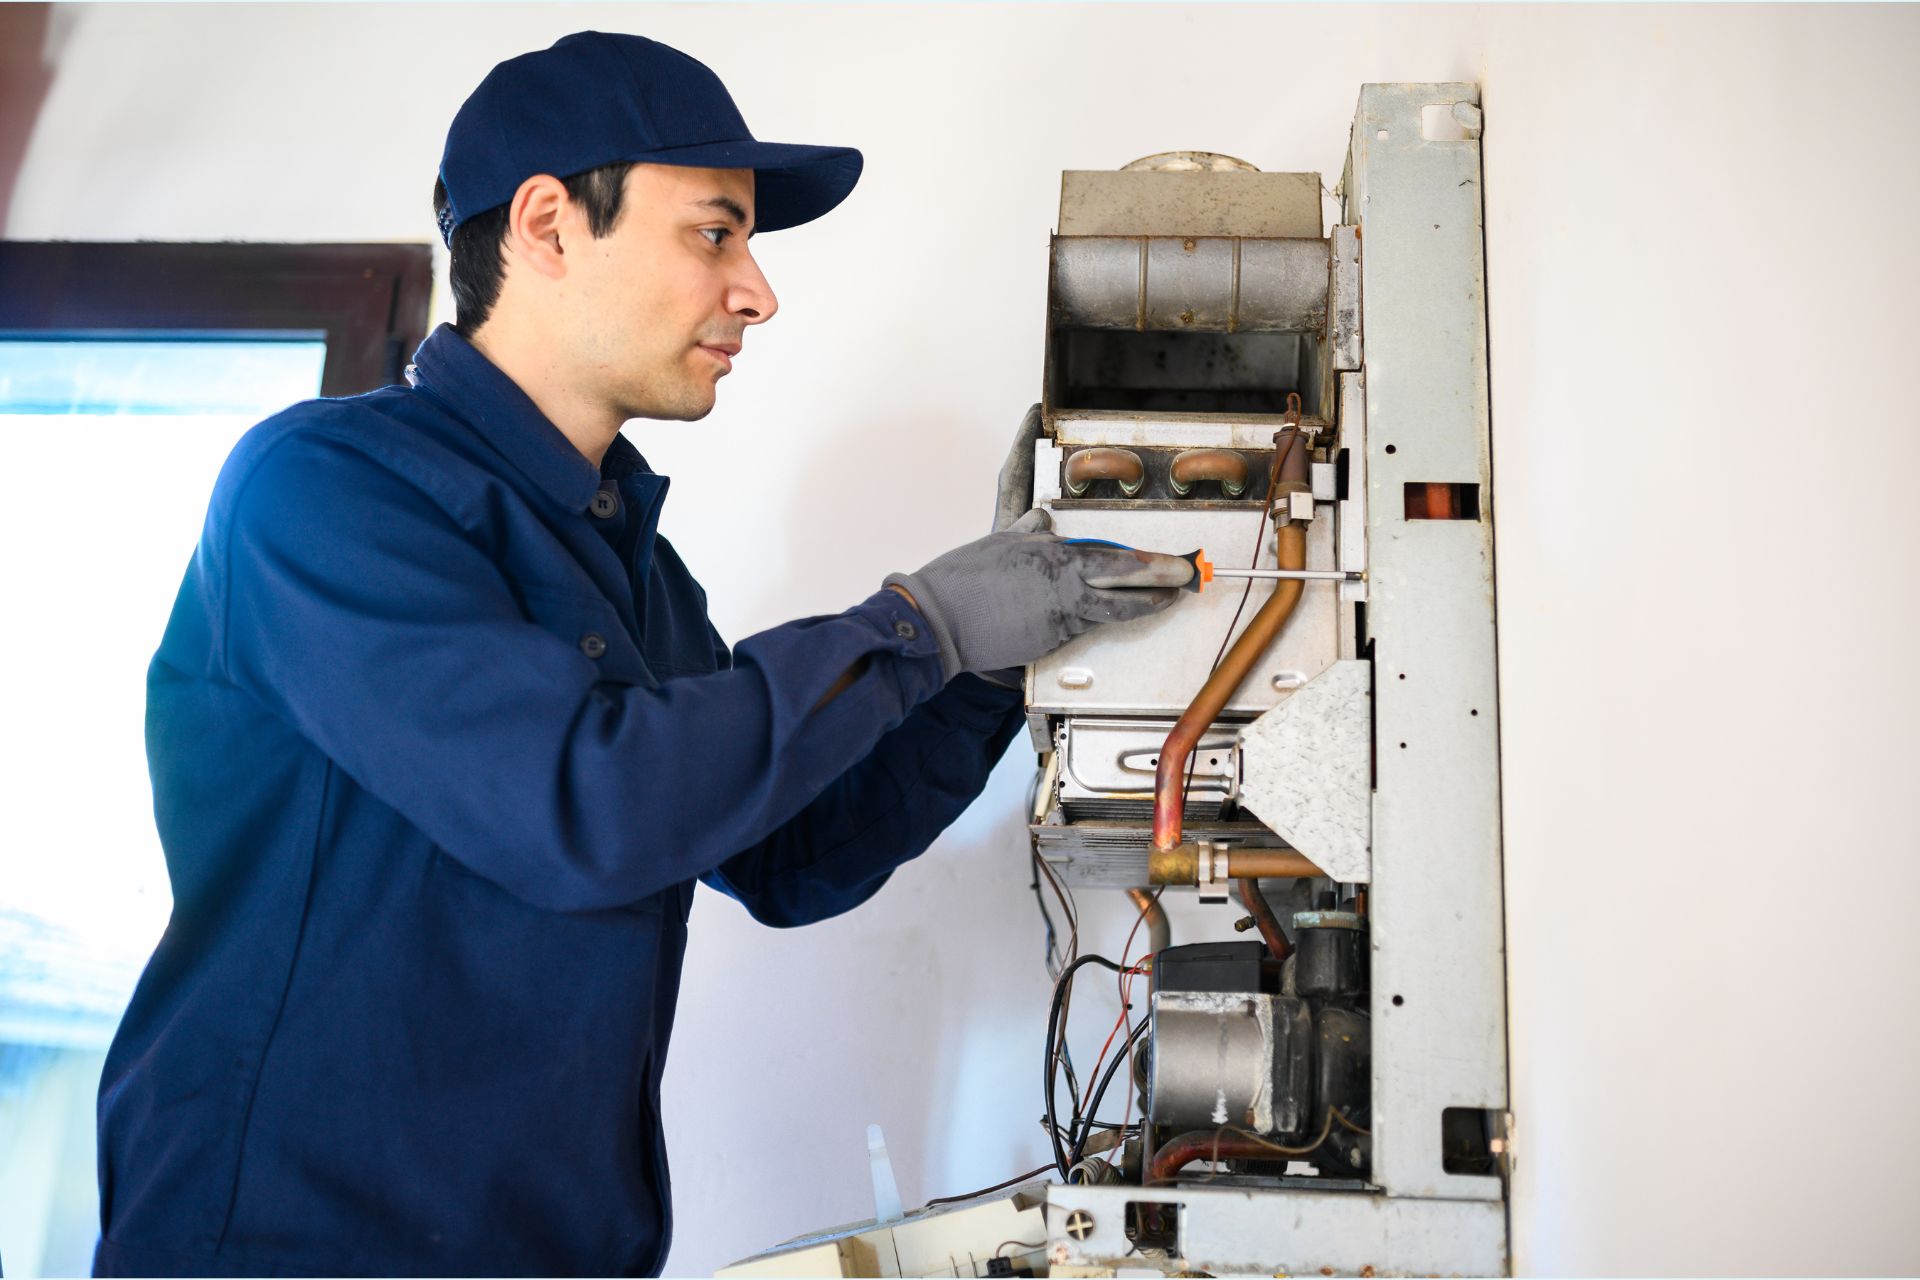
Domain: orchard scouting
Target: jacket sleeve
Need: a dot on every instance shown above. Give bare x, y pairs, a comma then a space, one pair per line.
371, 616
887, 809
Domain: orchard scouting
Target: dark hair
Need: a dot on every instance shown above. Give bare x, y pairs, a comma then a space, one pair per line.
478, 268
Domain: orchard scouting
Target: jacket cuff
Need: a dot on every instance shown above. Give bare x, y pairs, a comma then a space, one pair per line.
927, 611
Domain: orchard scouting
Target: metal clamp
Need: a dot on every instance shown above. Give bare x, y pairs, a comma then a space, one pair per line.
1291, 500
1210, 873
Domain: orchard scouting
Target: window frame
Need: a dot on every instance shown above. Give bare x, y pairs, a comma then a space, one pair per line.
370, 300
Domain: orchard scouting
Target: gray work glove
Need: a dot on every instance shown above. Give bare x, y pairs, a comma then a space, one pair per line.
1013, 596
1016, 474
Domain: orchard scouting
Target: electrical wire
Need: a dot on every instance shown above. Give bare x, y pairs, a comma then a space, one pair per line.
1073, 950
1046, 920
1100, 1092
998, 1186
1053, 956
1056, 1028
1125, 983
1072, 910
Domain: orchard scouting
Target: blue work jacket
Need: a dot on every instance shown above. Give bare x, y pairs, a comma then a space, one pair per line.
441, 739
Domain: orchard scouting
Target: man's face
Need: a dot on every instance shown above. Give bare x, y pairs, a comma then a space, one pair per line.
657, 308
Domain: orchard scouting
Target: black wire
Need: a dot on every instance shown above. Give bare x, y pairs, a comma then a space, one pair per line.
1072, 912
1054, 1030
1045, 917
998, 1186
1033, 852
1100, 1093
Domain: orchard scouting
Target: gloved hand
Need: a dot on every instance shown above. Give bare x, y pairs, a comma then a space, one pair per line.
1016, 474
1013, 596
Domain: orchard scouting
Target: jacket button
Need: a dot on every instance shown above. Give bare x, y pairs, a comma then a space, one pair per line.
904, 629
604, 504
593, 644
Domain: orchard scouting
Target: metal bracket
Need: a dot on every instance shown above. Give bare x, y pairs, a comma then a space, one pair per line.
1306, 769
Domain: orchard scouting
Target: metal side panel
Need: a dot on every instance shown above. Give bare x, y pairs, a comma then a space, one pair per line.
1439, 984
1281, 1233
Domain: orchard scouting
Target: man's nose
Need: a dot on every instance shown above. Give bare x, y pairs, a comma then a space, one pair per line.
751, 297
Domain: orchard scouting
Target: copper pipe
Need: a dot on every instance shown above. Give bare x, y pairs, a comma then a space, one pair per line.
1205, 1144
1181, 865
1159, 928
1256, 904
1170, 784
1194, 465
1269, 864
1103, 463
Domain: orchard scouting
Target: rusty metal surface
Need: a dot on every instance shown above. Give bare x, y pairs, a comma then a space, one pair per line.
1343, 299
1177, 430
1197, 203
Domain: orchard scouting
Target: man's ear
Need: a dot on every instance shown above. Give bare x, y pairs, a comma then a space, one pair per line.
534, 220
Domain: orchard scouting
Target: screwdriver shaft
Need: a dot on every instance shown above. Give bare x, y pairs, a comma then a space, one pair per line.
1309, 575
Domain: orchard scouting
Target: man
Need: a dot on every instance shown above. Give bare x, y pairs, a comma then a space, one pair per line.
441, 737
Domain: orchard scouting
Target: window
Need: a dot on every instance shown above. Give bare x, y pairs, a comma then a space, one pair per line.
127, 372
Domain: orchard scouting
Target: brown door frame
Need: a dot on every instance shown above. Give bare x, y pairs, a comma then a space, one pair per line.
370, 300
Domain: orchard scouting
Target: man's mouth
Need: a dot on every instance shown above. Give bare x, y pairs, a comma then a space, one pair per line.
724, 353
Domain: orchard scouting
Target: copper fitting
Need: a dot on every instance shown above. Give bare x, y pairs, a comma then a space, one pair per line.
1104, 463
1181, 864
1194, 465
1178, 865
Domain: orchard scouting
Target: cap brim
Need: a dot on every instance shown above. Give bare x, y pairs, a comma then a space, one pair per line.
792, 183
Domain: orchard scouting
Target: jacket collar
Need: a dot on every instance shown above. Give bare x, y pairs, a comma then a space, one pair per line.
448, 368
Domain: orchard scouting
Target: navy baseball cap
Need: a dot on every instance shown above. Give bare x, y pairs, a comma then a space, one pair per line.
595, 99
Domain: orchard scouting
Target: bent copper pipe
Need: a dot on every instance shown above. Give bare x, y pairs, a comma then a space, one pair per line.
1205, 1144
1104, 463
1170, 785
1159, 928
1194, 465
1256, 904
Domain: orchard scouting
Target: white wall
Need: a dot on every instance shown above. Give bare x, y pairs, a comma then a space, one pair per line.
1700, 262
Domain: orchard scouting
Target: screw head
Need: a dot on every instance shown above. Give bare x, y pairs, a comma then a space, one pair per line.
1079, 1224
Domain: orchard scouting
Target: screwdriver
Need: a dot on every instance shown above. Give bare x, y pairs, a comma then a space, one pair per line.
1193, 571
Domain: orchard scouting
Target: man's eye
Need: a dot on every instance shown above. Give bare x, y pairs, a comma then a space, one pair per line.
719, 234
